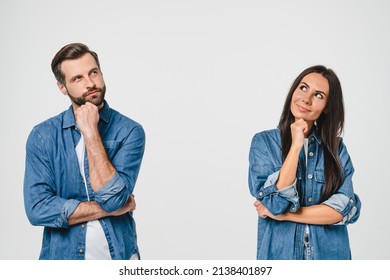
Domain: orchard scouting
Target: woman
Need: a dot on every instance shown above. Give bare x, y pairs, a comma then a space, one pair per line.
301, 175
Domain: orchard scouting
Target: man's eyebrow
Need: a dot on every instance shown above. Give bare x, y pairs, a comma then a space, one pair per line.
94, 69
89, 72
74, 77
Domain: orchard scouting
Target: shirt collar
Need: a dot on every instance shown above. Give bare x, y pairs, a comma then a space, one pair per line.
314, 135
69, 120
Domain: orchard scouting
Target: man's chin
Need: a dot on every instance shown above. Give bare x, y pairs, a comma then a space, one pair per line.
96, 101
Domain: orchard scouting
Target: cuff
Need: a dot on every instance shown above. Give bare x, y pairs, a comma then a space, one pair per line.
344, 205
111, 197
67, 210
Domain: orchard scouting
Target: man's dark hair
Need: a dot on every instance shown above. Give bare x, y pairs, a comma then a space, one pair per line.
70, 51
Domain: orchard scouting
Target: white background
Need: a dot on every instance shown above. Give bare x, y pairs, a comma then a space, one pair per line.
202, 77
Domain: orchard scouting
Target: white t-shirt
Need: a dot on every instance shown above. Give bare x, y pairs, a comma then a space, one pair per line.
96, 246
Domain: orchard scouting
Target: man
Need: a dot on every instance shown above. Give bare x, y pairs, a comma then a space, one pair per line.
82, 166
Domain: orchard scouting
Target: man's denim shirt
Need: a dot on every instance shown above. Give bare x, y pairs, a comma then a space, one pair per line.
54, 187
283, 239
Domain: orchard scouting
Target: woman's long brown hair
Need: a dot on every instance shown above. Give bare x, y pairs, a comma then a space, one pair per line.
329, 126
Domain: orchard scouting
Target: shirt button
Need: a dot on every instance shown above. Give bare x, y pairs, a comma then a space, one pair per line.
310, 176
261, 193
311, 154
82, 226
81, 251
309, 199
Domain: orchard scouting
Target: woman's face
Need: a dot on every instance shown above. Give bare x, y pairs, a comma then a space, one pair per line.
310, 98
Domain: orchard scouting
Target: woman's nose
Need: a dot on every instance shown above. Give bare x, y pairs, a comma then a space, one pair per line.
306, 98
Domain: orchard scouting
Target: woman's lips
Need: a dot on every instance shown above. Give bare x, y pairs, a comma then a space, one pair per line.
302, 109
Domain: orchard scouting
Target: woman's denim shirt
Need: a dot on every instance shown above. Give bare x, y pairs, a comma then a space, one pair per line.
283, 239
54, 186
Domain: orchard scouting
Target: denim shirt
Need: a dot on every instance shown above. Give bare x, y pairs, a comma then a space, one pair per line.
54, 187
284, 239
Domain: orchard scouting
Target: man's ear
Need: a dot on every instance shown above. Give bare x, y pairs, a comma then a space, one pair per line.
62, 88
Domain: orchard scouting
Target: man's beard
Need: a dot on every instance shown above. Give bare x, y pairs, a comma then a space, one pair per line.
97, 101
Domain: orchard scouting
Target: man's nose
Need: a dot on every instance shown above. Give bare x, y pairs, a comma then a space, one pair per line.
90, 83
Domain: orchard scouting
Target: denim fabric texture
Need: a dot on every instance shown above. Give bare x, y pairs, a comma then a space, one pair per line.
54, 187
284, 240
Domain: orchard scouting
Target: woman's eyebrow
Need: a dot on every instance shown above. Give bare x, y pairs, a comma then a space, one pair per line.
318, 91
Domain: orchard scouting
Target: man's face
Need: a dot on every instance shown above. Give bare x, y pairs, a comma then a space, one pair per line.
83, 81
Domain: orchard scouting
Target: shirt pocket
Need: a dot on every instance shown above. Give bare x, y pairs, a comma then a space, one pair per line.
319, 179
112, 147
319, 176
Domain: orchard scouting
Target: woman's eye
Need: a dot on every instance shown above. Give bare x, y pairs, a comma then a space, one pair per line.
304, 88
319, 95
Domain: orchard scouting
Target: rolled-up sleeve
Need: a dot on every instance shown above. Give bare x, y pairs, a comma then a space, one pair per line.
127, 162
112, 195
348, 207
264, 171
67, 210
345, 201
